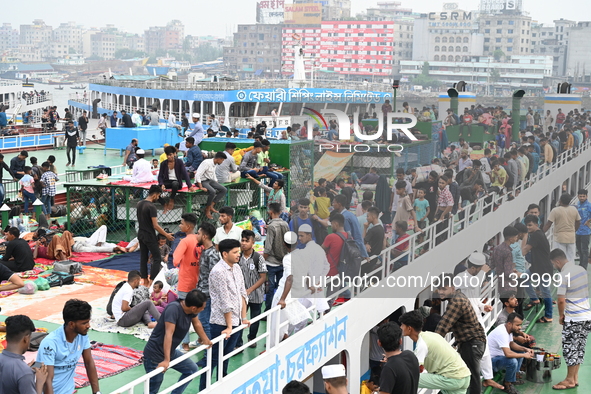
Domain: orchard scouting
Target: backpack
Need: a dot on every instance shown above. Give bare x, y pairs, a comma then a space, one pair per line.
555, 153
350, 258
110, 303
35, 341
60, 279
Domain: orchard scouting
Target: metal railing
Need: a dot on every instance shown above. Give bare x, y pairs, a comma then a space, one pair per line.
242, 85
434, 234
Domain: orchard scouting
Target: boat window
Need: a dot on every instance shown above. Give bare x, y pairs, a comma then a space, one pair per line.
291, 109
219, 109
207, 107
196, 107
266, 108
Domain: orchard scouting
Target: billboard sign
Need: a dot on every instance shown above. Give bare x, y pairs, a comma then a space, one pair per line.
270, 12
303, 14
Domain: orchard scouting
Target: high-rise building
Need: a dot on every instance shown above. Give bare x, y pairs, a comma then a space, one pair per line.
69, 35
8, 37
441, 36
388, 11
36, 34
256, 51
578, 63
509, 32
553, 41
358, 47
165, 38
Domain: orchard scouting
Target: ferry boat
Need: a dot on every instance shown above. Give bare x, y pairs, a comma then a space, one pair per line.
19, 101
343, 334
237, 104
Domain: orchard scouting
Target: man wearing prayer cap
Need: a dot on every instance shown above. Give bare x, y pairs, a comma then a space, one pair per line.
311, 263
470, 282
335, 379
198, 133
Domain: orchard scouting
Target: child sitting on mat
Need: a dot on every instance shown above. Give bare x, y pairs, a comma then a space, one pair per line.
159, 297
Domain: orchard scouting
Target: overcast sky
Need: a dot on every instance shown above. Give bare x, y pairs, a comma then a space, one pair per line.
220, 17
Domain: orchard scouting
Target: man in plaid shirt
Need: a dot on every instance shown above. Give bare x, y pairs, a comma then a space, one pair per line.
48, 180
460, 318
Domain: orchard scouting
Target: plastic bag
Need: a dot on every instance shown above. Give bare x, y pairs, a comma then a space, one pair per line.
29, 288
161, 277
42, 284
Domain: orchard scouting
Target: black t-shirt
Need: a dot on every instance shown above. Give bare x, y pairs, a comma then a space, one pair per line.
540, 253
400, 375
21, 252
347, 192
146, 210
173, 313
375, 238
5, 273
82, 122
72, 137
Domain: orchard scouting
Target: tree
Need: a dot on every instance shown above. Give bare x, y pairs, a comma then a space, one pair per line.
495, 75
127, 53
424, 79
498, 54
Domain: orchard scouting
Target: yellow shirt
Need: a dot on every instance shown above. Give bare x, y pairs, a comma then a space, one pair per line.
162, 158
364, 388
322, 205
239, 153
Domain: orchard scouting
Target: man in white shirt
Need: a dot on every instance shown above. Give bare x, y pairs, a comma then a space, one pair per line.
215, 124
228, 229
125, 315
575, 315
206, 180
505, 353
136, 118
172, 122
142, 169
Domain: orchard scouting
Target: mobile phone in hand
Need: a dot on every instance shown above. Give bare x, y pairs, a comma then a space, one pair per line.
37, 364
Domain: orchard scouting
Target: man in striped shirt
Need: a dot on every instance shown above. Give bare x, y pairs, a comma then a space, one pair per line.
254, 269
575, 315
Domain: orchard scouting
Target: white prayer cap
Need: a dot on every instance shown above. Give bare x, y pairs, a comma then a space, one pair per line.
290, 238
140, 152
477, 259
305, 228
196, 115
333, 371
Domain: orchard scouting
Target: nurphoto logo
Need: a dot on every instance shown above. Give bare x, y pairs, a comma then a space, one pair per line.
345, 129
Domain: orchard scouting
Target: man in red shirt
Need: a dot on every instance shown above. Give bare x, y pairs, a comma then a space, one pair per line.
304, 130
466, 121
333, 244
560, 118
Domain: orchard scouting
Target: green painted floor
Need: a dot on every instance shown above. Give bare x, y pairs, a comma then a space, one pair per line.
548, 336
110, 384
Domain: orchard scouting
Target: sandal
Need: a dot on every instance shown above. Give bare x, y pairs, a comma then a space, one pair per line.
544, 320
530, 305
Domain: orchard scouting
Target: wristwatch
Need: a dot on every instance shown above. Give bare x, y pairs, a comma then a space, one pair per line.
98, 392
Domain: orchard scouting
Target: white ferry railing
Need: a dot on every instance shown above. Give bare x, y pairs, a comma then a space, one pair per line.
243, 85
385, 268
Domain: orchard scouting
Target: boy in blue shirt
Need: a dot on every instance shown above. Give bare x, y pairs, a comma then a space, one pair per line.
422, 209
62, 348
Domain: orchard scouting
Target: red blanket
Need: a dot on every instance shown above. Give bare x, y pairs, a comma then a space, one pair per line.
110, 360
145, 185
142, 185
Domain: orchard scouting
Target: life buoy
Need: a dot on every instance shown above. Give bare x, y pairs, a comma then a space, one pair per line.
296, 36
